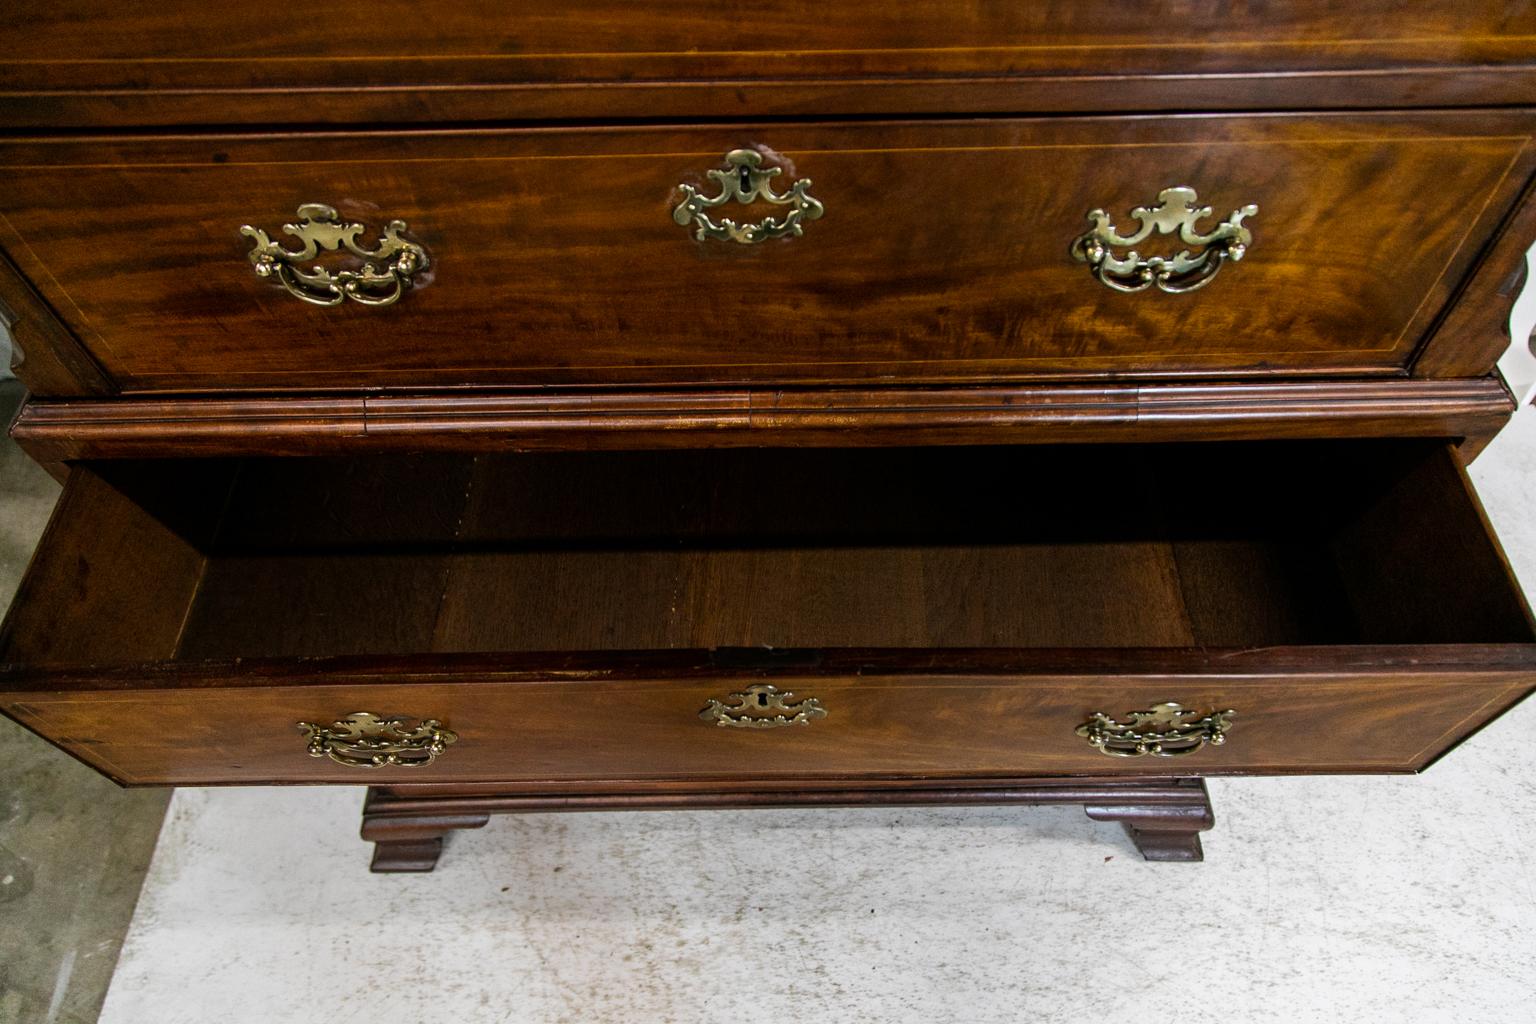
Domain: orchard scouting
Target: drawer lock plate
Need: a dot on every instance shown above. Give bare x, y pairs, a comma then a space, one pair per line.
762, 706
746, 180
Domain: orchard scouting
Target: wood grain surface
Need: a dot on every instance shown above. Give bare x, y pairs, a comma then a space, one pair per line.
570, 613
1471, 409
83, 62
935, 723
943, 255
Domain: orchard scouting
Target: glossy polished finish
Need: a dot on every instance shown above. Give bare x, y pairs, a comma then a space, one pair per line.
916, 276
169, 427
91, 62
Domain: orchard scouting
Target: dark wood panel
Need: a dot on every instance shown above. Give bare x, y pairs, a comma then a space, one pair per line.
112, 580
85, 61
1163, 817
803, 549
1475, 331
919, 270
306, 542
172, 427
1421, 556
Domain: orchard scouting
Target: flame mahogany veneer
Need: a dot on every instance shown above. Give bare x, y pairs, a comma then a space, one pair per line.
591, 474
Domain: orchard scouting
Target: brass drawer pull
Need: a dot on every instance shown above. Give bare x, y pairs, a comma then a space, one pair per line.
1182, 272
762, 706
320, 228
745, 180
1166, 730
365, 740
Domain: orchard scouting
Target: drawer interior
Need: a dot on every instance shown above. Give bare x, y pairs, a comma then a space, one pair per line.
1208, 545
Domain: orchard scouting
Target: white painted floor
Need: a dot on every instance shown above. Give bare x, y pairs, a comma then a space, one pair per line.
1321, 900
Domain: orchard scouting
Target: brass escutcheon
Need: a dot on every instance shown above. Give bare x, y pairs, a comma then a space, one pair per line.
745, 180
762, 706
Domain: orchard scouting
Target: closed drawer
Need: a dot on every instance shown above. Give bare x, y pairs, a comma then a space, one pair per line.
584, 617
183, 62
944, 251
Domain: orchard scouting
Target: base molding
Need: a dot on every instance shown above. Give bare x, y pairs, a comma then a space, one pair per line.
1163, 817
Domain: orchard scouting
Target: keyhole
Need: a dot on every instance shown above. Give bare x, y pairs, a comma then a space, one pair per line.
746, 179
762, 700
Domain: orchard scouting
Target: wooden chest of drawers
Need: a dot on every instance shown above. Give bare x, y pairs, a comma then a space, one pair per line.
536, 410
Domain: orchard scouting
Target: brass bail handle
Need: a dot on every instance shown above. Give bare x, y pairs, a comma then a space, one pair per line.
1176, 213
1163, 730
366, 740
745, 180
388, 269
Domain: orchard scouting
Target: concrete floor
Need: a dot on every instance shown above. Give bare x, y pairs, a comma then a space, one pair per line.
1322, 901
73, 847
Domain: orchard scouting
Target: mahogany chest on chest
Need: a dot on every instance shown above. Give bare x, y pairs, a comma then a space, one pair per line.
599, 404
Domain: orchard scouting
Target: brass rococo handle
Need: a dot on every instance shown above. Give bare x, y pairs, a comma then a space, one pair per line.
1164, 730
762, 706
745, 180
366, 740
320, 228
1176, 212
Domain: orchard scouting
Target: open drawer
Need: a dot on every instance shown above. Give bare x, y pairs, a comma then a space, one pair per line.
559, 618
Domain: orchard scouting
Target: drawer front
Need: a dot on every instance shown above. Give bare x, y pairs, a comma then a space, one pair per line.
180, 59
942, 251
929, 726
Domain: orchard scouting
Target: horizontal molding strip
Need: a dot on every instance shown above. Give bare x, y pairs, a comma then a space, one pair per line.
31, 107
161, 426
